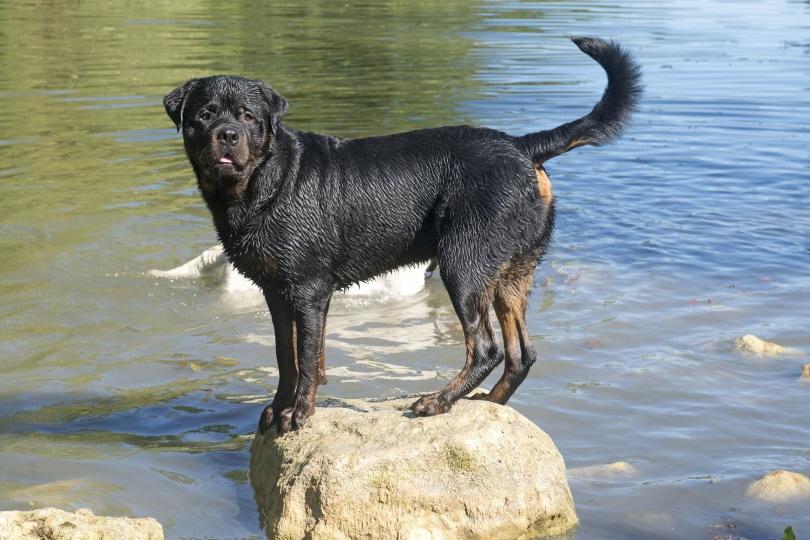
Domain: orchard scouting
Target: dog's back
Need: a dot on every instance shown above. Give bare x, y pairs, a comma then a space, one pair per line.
387, 201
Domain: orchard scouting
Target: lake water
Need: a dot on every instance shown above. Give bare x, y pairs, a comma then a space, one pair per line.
132, 395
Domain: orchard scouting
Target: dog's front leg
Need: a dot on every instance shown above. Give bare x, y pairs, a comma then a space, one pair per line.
310, 321
285, 336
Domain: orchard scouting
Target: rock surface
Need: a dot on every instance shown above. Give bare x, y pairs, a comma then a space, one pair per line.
780, 486
806, 372
751, 344
363, 469
55, 524
608, 471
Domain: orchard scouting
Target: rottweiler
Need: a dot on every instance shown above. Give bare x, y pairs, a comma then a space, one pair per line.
303, 215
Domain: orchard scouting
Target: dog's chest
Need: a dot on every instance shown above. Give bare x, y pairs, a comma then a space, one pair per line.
245, 245
256, 264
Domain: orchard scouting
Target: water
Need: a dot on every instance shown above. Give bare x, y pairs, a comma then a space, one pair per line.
132, 395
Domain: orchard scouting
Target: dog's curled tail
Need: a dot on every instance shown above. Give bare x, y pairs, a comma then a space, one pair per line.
607, 119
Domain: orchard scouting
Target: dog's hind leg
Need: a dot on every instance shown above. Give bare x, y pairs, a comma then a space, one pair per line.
471, 296
511, 296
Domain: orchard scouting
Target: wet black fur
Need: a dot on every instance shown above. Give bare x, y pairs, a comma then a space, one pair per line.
303, 214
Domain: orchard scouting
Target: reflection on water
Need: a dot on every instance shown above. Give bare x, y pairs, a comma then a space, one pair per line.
689, 232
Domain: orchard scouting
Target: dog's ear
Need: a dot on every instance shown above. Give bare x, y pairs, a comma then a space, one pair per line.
175, 102
276, 106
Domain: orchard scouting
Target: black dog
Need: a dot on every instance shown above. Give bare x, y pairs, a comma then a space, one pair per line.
303, 214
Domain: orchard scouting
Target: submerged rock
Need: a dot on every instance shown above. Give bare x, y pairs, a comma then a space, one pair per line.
615, 470
753, 345
780, 486
365, 469
55, 524
806, 372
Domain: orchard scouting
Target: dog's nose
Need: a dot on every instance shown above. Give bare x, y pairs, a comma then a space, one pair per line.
228, 135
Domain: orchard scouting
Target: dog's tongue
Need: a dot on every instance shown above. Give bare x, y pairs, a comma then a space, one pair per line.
226, 159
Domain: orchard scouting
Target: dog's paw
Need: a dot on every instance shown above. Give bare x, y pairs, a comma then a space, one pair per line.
299, 418
289, 418
266, 419
284, 423
481, 396
431, 405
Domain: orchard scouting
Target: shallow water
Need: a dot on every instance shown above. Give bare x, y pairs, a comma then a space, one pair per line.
137, 396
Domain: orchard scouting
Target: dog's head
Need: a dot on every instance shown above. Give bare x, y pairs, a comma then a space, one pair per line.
228, 124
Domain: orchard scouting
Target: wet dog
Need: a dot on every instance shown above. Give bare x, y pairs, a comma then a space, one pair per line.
302, 215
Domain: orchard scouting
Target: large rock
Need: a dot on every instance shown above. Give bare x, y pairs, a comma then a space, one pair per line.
55, 524
365, 469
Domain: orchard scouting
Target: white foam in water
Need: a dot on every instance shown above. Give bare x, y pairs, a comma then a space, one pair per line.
212, 264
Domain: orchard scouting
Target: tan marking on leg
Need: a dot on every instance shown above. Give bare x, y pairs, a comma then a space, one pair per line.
511, 344
511, 298
543, 185
294, 338
322, 359
322, 368
469, 344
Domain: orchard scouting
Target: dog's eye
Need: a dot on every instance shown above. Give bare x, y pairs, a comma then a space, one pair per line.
205, 115
248, 117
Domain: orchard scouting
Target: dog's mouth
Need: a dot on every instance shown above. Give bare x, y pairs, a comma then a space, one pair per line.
228, 164
226, 161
